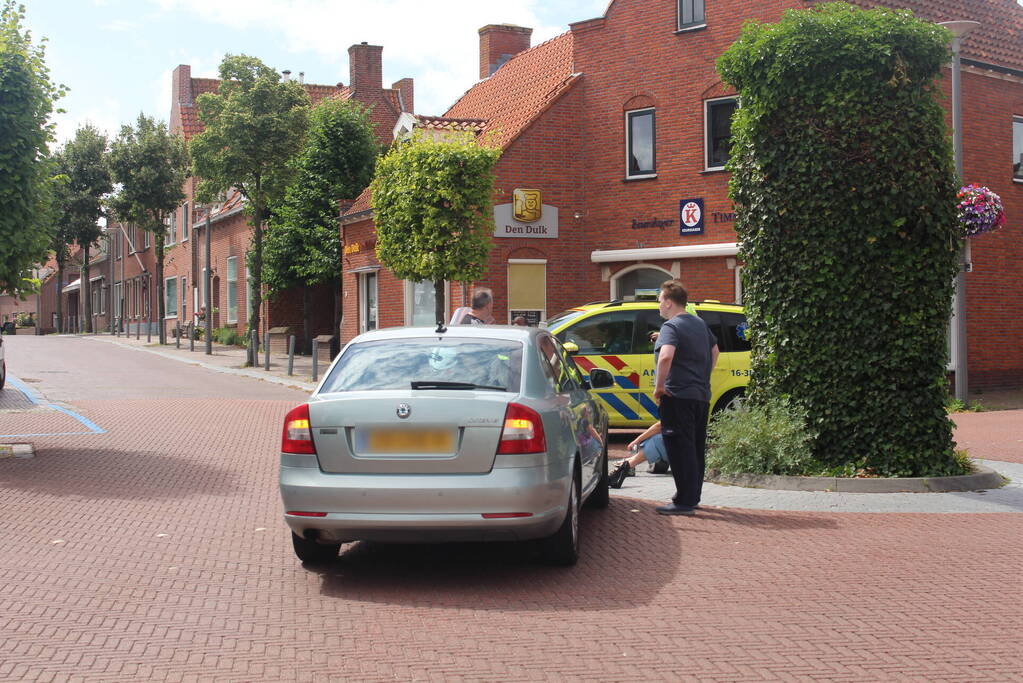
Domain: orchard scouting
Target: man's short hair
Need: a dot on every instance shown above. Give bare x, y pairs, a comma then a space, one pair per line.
481, 298
674, 291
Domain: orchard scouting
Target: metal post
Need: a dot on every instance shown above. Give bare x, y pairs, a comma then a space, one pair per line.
316, 358
291, 354
266, 350
191, 336
253, 348
177, 334
208, 278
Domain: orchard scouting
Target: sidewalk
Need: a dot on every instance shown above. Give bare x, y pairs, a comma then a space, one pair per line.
228, 359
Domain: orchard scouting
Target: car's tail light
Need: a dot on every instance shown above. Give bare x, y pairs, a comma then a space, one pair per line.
298, 435
522, 432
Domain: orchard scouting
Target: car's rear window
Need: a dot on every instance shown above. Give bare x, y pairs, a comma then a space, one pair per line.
428, 363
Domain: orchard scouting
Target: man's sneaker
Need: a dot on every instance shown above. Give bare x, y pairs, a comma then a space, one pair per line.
659, 467
617, 476
675, 509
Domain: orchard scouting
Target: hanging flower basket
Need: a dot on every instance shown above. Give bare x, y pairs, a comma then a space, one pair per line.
979, 210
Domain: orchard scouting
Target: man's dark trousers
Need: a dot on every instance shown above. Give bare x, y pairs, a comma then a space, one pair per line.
684, 428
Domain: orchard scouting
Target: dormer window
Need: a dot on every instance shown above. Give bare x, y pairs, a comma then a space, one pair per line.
691, 15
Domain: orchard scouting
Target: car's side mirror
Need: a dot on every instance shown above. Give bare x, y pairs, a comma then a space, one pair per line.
601, 379
570, 347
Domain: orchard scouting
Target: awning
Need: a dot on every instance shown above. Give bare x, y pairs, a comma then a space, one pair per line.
73, 287
665, 253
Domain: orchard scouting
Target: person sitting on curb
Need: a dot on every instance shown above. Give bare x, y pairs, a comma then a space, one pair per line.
648, 446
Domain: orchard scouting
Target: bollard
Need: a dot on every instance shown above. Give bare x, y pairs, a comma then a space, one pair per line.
191, 337
291, 354
266, 351
316, 356
253, 347
149, 331
177, 334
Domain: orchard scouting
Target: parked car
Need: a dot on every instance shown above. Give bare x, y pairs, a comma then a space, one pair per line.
616, 336
471, 433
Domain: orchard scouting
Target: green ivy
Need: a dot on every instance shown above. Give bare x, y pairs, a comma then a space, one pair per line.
844, 188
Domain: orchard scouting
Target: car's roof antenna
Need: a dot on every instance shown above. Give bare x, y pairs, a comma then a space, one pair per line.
440, 327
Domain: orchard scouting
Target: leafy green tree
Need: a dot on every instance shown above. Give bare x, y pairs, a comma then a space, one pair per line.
82, 163
150, 164
303, 242
255, 124
844, 187
26, 101
432, 205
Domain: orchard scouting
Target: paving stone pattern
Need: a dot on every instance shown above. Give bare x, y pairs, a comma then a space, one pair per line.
156, 552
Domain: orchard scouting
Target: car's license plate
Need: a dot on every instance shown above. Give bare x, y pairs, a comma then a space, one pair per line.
410, 441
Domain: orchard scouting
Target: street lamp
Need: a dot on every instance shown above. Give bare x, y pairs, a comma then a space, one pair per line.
959, 30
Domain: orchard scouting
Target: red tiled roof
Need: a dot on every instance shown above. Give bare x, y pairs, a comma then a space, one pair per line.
518, 92
999, 38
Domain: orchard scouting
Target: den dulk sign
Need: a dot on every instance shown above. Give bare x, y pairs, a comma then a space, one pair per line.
526, 216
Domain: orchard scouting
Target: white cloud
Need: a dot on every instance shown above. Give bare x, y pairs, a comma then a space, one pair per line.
105, 114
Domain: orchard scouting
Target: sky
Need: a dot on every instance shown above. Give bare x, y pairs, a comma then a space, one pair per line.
116, 56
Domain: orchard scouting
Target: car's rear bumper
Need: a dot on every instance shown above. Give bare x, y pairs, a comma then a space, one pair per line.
424, 507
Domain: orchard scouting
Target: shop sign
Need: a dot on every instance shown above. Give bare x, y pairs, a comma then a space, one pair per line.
690, 216
723, 216
358, 247
526, 216
652, 223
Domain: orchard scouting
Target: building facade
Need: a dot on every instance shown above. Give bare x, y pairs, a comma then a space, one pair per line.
615, 135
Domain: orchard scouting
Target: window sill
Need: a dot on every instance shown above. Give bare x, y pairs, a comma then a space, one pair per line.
635, 178
718, 169
690, 29
171, 317
1018, 180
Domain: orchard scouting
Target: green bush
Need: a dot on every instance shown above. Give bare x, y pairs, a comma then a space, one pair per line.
844, 189
771, 438
24, 320
226, 336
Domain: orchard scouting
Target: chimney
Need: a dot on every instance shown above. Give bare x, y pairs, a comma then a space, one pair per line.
287, 75
404, 88
365, 69
301, 77
499, 43
181, 94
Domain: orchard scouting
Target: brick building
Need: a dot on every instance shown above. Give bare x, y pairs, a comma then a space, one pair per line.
230, 232
614, 138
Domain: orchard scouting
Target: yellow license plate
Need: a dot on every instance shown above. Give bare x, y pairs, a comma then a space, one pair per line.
410, 441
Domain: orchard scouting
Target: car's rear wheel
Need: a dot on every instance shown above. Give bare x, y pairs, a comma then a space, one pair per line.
601, 495
313, 552
563, 547
730, 401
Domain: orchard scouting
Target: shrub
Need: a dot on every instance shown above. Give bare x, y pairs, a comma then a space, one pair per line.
845, 197
24, 320
226, 336
771, 438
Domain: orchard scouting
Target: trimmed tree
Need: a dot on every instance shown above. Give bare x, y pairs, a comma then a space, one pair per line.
433, 210
303, 242
844, 188
82, 164
150, 164
255, 124
25, 171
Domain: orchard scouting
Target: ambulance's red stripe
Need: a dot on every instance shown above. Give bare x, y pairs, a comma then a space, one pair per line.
584, 363
616, 362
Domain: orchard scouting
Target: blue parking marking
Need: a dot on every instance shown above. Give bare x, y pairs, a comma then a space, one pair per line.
35, 400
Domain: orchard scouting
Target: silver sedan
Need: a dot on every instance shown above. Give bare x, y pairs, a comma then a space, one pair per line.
463, 434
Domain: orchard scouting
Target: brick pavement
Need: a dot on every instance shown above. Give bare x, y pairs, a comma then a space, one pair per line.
156, 552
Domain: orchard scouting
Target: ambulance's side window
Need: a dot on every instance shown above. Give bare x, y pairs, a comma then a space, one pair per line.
734, 327
713, 320
605, 333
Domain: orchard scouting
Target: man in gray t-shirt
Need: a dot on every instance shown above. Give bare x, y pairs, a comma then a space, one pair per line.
685, 354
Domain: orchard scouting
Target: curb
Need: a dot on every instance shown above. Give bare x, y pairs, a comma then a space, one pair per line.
983, 478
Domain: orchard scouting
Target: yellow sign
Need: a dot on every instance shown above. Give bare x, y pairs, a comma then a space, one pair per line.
527, 206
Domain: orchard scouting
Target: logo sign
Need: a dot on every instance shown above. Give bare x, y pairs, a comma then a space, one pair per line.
690, 217
526, 205
404, 410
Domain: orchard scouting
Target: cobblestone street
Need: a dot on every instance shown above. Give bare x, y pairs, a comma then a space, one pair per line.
154, 549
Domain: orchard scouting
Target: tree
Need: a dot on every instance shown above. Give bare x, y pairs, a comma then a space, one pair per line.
82, 163
303, 242
844, 189
150, 165
25, 170
432, 205
255, 124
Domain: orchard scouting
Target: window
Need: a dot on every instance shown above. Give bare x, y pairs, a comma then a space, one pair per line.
184, 299
734, 326
368, 301
96, 290
170, 297
554, 366
627, 284
172, 228
1017, 148
146, 237
713, 320
690, 14
718, 122
421, 303
640, 138
527, 290
184, 222
606, 333
232, 289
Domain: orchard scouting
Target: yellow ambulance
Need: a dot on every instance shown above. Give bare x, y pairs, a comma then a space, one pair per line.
615, 335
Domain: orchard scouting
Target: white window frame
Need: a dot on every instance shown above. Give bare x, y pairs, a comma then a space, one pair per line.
614, 294
1017, 121
184, 299
146, 239
696, 23
98, 300
172, 228
232, 300
167, 299
363, 299
628, 142
706, 130
410, 300
184, 222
